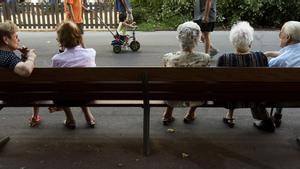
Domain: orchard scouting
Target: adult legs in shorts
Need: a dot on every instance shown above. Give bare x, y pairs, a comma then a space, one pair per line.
206, 29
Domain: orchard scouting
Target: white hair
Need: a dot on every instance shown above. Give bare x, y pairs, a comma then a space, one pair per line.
292, 28
188, 35
241, 35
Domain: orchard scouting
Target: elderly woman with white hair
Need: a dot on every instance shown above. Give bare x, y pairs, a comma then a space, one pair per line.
241, 37
188, 36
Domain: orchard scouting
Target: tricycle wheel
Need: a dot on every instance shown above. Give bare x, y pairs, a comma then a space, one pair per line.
117, 48
135, 46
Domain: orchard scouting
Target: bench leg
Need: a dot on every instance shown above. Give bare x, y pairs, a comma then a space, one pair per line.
146, 133
3, 141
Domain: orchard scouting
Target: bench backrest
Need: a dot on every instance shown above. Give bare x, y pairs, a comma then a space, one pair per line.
154, 83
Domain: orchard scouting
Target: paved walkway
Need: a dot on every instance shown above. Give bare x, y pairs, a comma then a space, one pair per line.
116, 142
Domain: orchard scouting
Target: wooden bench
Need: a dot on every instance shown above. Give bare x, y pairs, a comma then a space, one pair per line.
147, 86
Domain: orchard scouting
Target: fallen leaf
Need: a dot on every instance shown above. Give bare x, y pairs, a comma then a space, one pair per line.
184, 155
170, 130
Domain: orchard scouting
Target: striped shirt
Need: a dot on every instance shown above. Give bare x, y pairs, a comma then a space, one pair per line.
252, 59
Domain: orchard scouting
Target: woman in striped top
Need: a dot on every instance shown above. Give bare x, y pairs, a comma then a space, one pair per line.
241, 37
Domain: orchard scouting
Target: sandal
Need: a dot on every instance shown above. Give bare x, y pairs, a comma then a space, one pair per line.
70, 124
188, 120
91, 123
229, 122
35, 121
54, 109
167, 121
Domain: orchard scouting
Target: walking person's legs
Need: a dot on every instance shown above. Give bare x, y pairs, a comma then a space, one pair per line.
207, 41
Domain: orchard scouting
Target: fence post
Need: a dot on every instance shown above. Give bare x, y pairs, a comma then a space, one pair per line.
47, 15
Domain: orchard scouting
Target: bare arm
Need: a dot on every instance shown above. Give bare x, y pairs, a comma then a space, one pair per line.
84, 7
25, 68
71, 11
206, 11
126, 6
272, 54
129, 25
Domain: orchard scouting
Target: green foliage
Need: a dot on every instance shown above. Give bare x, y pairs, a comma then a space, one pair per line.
264, 13
165, 14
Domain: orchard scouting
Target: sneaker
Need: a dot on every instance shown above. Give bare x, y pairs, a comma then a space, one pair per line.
167, 121
70, 124
213, 52
35, 121
265, 125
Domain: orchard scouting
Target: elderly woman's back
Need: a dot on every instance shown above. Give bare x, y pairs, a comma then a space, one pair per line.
241, 37
188, 36
184, 59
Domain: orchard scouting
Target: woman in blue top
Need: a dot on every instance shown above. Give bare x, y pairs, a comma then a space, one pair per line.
9, 43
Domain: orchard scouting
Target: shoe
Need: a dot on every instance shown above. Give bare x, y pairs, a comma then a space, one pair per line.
91, 123
35, 121
229, 122
265, 125
70, 124
277, 119
167, 121
54, 109
188, 120
213, 52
